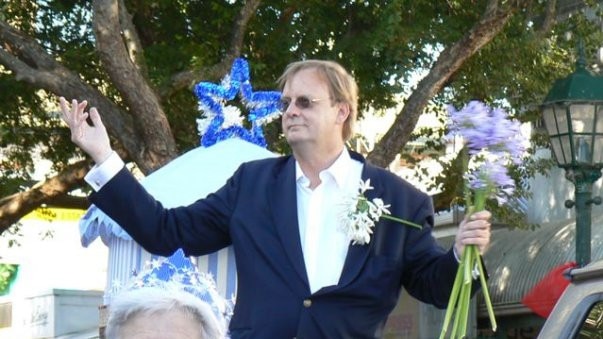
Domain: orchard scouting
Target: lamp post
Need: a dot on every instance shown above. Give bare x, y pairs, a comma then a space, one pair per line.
573, 116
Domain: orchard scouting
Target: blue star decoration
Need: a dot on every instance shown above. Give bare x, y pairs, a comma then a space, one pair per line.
220, 121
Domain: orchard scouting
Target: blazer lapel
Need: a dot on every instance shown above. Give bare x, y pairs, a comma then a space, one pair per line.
284, 209
358, 254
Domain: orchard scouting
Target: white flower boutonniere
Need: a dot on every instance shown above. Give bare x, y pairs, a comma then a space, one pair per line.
360, 215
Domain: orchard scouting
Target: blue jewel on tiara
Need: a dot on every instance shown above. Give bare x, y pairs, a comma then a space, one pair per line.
220, 121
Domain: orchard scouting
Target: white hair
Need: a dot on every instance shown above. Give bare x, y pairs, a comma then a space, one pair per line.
149, 300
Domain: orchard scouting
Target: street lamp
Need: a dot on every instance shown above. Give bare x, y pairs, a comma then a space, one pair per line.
573, 116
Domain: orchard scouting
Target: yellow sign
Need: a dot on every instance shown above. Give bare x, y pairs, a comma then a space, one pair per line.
55, 214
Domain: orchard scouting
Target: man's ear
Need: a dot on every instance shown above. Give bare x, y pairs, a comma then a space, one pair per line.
343, 112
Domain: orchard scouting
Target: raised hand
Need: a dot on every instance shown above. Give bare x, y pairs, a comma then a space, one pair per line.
92, 139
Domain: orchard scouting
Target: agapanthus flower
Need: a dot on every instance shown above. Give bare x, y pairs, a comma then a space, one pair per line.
493, 178
484, 128
493, 141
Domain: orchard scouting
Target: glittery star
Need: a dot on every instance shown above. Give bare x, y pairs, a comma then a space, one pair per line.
155, 264
215, 125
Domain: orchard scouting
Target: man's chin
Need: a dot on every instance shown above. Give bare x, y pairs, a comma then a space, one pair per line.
294, 139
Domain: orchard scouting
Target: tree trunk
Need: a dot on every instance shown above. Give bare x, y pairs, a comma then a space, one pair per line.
149, 118
450, 61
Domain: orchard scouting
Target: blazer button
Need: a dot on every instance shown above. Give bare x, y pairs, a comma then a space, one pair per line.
307, 303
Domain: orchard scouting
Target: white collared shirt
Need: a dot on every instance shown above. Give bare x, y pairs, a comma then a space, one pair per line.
100, 174
324, 242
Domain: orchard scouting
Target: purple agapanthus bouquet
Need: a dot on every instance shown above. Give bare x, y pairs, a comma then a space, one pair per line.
493, 142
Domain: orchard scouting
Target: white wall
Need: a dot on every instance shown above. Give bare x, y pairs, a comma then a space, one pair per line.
550, 194
58, 263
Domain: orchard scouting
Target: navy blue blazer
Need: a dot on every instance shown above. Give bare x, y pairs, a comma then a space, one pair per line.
256, 212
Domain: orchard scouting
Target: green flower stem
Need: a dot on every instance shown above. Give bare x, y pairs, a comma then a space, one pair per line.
402, 221
458, 312
460, 297
482, 279
452, 302
480, 204
480, 198
466, 258
463, 313
464, 309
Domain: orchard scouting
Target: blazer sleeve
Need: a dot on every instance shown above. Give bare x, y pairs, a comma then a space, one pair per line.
429, 270
199, 228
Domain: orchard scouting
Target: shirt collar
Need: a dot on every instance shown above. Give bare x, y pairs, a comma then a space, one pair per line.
338, 170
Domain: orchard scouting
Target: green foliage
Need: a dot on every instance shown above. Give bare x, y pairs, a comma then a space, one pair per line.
592, 327
384, 43
8, 274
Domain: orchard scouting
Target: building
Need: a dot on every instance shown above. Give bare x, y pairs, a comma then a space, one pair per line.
59, 284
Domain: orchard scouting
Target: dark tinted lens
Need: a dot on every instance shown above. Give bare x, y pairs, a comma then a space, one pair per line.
284, 104
302, 102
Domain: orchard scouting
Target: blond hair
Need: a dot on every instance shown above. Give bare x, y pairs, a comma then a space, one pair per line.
342, 86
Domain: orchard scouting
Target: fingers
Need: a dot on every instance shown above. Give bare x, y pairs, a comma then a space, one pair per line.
75, 114
66, 111
75, 117
91, 138
95, 117
481, 215
63, 104
78, 111
475, 230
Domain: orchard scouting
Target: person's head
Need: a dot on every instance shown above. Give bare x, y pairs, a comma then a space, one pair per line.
155, 312
321, 99
169, 298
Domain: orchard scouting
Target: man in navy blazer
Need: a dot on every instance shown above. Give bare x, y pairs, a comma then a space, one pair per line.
300, 274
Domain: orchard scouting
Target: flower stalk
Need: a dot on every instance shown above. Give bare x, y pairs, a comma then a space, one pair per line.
492, 141
402, 221
460, 298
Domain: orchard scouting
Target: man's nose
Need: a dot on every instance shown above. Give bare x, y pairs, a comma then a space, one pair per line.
292, 110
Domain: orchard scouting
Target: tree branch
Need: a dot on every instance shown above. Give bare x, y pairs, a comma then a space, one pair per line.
240, 26
449, 62
151, 122
557, 11
14, 207
48, 74
549, 18
188, 78
131, 39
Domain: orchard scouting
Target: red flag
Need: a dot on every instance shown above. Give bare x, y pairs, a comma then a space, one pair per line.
544, 295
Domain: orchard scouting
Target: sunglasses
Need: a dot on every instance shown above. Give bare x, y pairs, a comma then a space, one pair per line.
301, 102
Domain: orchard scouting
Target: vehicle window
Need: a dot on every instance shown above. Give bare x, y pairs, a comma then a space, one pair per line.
592, 328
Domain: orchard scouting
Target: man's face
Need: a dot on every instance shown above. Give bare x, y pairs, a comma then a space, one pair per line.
311, 117
173, 324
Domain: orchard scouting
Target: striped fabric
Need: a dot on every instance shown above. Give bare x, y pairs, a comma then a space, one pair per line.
127, 258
